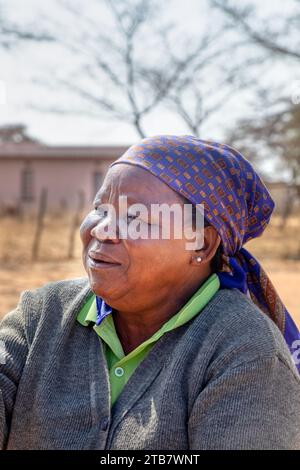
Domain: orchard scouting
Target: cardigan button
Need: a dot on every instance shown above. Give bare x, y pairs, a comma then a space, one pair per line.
104, 424
119, 371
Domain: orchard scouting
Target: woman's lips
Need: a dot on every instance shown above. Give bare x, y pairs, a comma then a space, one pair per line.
98, 261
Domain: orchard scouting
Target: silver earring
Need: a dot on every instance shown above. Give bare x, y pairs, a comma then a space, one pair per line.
198, 259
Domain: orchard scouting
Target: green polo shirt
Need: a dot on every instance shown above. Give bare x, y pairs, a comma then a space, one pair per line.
122, 366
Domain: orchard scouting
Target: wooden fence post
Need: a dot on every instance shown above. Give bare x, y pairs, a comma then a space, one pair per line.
75, 224
39, 224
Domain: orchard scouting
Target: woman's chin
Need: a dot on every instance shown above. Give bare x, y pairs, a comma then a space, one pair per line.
100, 287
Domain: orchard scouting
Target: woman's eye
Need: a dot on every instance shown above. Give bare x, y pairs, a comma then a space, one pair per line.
140, 219
131, 217
100, 212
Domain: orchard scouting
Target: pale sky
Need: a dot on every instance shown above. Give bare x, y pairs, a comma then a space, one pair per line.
27, 62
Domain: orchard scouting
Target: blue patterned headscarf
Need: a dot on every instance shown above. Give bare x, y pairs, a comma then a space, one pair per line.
236, 203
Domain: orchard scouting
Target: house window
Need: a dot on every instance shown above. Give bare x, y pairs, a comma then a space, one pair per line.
27, 194
97, 182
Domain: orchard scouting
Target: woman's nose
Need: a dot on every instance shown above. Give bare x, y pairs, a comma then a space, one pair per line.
105, 230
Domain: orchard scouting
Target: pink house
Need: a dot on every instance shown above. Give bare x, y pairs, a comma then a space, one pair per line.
27, 166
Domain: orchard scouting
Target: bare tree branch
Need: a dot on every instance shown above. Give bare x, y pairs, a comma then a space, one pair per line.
11, 33
267, 40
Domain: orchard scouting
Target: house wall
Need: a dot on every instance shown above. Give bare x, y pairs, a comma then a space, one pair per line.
62, 178
10, 172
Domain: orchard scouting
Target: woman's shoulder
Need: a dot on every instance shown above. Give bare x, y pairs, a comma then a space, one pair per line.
64, 290
48, 303
62, 285
242, 332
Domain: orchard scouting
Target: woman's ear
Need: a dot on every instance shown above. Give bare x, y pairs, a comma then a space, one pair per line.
211, 242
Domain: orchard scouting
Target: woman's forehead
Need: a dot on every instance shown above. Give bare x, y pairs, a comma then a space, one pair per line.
137, 184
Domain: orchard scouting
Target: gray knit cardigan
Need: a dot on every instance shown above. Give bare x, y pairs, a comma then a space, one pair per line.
223, 380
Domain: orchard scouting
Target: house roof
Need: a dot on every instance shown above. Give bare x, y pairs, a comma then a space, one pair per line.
29, 150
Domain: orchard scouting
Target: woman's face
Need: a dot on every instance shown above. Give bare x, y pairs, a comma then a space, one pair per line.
143, 268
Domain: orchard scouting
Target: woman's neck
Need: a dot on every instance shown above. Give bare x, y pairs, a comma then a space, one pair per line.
133, 330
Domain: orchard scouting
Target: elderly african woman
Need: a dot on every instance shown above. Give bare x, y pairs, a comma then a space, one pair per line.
161, 346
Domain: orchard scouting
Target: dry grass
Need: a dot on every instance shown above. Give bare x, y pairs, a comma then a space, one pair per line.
278, 250
278, 243
17, 235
